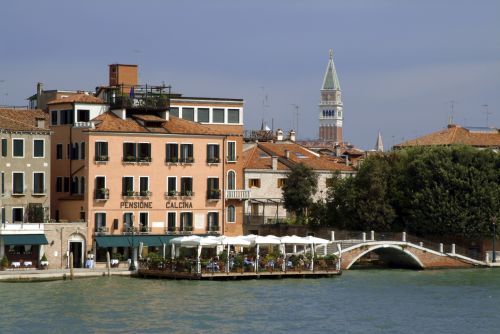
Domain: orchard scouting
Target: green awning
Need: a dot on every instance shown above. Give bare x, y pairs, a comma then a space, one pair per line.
25, 239
166, 238
113, 241
126, 240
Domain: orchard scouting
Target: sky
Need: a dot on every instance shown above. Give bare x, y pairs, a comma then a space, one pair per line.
400, 63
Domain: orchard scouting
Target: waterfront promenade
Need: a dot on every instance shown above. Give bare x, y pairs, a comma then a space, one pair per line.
58, 274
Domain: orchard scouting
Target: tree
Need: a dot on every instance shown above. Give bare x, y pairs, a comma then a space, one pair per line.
298, 190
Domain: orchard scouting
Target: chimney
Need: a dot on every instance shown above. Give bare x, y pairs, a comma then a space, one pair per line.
287, 154
39, 91
274, 162
40, 123
279, 135
337, 151
292, 135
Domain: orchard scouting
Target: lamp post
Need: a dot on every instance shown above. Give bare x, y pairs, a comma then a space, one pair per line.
132, 262
494, 222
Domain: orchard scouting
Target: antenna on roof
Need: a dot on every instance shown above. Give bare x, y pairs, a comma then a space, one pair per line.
452, 113
297, 118
488, 113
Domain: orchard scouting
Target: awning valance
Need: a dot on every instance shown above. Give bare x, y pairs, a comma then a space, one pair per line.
128, 240
113, 241
25, 239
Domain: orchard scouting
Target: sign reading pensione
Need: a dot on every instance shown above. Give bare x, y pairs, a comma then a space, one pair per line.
136, 205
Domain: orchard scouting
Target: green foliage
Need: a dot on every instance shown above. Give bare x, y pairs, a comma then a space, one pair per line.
44, 258
425, 191
298, 190
4, 263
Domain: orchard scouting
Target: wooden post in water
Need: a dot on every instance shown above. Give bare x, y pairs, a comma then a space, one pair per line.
108, 263
71, 265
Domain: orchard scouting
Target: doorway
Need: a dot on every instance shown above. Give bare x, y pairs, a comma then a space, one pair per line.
76, 247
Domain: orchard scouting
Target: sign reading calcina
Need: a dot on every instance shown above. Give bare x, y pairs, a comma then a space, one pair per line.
149, 205
178, 205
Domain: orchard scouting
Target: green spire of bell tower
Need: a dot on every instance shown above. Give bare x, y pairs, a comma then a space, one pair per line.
331, 81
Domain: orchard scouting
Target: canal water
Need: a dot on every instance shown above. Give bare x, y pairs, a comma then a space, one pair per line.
359, 301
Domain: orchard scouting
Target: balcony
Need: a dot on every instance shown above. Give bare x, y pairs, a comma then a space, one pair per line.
83, 125
171, 194
101, 159
99, 230
237, 194
144, 194
130, 159
213, 194
213, 160
186, 229
144, 97
22, 228
213, 228
172, 230
101, 194
144, 229
144, 160
186, 193
186, 160
171, 160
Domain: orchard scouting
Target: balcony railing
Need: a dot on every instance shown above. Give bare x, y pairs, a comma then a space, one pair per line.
101, 194
213, 194
101, 158
213, 160
237, 194
172, 160
145, 229
186, 193
130, 159
213, 228
188, 228
186, 160
144, 193
101, 229
171, 194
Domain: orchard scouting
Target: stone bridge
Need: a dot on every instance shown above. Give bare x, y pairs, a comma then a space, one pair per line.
400, 253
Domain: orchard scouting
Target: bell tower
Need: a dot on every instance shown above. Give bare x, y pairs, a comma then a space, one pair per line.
331, 113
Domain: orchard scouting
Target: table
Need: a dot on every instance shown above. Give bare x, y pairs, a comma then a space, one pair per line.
16, 264
114, 262
89, 263
27, 263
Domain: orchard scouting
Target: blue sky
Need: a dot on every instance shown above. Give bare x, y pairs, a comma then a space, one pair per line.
400, 63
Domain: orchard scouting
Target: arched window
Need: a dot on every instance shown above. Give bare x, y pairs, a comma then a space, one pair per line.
231, 180
231, 214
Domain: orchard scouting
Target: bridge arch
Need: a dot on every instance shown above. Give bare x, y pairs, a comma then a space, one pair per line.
399, 253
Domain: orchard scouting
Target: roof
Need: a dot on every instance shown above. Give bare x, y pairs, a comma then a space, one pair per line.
330, 80
109, 122
22, 119
457, 135
78, 98
260, 157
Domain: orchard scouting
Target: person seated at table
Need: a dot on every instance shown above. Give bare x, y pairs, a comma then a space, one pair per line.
248, 261
270, 263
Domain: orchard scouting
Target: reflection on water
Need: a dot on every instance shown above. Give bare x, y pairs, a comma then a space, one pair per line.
381, 301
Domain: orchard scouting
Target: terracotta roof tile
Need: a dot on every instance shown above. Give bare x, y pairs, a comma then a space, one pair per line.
457, 135
22, 119
78, 98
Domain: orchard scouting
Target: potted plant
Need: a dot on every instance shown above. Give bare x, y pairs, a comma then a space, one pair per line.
4, 263
44, 263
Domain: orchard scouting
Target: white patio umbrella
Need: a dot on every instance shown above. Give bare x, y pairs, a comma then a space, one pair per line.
198, 242
313, 241
233, 241
292, 240
261, 240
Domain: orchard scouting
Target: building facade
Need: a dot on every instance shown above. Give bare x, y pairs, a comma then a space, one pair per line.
25, 176
331, 114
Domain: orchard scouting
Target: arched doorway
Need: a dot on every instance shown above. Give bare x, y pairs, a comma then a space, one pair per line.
76, 245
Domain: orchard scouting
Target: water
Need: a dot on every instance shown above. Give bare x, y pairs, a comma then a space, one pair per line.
375, 301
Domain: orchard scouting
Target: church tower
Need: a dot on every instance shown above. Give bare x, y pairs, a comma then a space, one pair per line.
330, 108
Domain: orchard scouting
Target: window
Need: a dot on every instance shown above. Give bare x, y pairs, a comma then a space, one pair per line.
188, 114
68, 151
66, 117
144, 186
203, 115
38, 183
17, 215
281, 182
18, 183
187, 153
3, 215
213, 221
340, 113
100, 222
38, 148
53, 117
231, 214
83, 115
231, 180
171, 152
101, 151
213, 153
128, 220
4, 147
59, 151
186, 186
171, 186
101, 192
186, 221
144, 152
74, 186
171, 221
82, 185
59, 184
144, 221
174, 111
218, 115
233, 116
213, 191
18, 148
129, 152
254, 183
74, 151
231, 151
66, 184
128, 186
3, 183
82, 150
